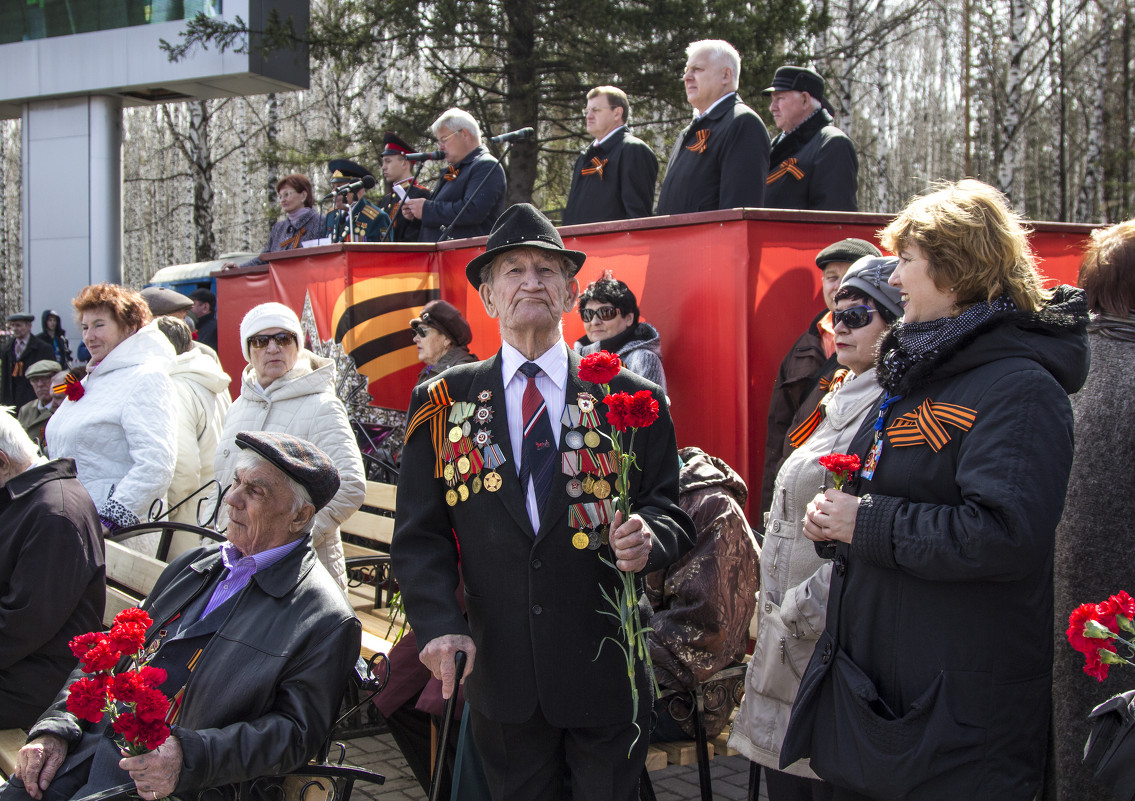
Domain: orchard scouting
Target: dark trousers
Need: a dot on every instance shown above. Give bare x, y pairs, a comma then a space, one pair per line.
786, 787
530, 760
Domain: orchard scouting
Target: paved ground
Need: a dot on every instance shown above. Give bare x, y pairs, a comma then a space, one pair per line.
380, 754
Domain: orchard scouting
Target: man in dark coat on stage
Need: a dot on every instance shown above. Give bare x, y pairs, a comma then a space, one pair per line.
614, 178
813, 163
720, 160
470, 193
24, 350
548, 698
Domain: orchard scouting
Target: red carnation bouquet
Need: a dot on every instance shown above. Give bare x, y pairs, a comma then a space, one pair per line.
842, 466
626, 412
1095, 630
137, 709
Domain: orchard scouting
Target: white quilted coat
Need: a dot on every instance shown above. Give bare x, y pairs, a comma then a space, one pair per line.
122, 432
302, 403
203, 402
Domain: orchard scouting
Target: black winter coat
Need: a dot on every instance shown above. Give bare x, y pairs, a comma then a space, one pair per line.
941, 607
622, 187
813, 167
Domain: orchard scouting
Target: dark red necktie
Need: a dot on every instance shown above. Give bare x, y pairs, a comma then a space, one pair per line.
538, 453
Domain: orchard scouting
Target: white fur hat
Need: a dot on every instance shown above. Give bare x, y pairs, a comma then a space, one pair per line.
265, 316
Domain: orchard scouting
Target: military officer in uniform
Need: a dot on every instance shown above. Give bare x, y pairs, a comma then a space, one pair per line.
370, 222
398, 174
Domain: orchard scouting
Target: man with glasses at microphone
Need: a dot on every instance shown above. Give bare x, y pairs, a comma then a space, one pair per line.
355, 219
470, 194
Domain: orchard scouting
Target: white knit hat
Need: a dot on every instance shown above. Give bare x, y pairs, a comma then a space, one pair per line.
265, 316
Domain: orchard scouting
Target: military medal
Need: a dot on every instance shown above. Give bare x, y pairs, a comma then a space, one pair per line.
485, 395
602, 489
447, 472
484, 415
593, 541
482, 438
493, 481
451, 497
589, 484
590, 439
574, 440
476, 484
466, 428
455, 434
580, 540
463, 465
463, 493
575, 488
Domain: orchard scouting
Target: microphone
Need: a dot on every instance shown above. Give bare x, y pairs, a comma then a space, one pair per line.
513, 136
366, 182
436, 155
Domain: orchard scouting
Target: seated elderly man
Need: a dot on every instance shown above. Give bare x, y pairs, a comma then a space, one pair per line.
52, 582
255, 635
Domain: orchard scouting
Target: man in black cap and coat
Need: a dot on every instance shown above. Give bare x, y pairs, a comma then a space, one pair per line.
397, 171
810, 363
352, 208
721, 159
254, 635
505, 474
614, 177
24, 350
813, 163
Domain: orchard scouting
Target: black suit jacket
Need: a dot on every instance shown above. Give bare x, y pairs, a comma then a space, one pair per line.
534, 604
15, 389
730, 171
449, 197
626, 188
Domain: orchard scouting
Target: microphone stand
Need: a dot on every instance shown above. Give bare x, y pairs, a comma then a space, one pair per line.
500, 163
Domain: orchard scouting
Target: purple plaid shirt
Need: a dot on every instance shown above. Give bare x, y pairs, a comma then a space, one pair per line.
241, 569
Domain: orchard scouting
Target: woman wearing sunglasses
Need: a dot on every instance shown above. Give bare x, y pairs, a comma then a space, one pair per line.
289, 389
794, 580
442, 337
609, 312
933, 676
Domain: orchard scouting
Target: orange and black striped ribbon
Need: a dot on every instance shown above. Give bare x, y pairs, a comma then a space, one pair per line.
927, 424
799, 435
435, 411
700, 145
596, 168
294, 242
785, 167
450, 173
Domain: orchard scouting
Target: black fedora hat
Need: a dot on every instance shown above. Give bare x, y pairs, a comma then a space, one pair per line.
521, 226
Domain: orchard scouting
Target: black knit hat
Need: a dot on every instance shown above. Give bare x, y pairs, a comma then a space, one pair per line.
521, 226
298, 459
849, 250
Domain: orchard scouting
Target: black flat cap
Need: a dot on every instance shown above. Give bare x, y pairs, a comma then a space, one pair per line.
345, 170
797, 79
394, 145
20, 317
849, 250
521, 226
163, 300
298, 459
205, 296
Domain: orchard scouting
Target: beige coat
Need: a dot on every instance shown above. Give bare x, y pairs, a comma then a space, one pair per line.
793, 599
302, 403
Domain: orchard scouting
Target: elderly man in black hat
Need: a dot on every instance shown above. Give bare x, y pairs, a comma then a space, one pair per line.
813, 164
397, 171
354, 219
22, 351
442, 336
810, 363
507, 466
254, 635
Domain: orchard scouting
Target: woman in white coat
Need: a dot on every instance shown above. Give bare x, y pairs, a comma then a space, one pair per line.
118, 424
792, 605
289, 389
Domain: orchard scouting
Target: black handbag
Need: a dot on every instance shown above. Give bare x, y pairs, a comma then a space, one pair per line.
1110, 750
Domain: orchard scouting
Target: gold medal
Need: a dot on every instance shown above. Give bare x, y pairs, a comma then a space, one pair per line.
602, 489
447, 472
605, 535
589, 484
451, 497
619, 485
493, 481
463, 493
476, 484
579, 540
455, 434
590, 439
463, 465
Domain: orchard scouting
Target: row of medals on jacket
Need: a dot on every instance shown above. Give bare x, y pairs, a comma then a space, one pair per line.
468, 452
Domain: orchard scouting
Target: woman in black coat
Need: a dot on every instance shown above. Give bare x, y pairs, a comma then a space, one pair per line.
933, 678
54, 335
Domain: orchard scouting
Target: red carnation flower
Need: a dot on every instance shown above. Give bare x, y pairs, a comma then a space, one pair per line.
642, 409
599, 368
82, 643
152, 735
840, 465
1081, 615
151, 706
87, 699
127, 725
133, 615
151, 676
618, 410
100, 658
127, 638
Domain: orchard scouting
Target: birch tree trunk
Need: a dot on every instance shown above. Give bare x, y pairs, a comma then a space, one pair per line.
201, 168
1011, 153
1089, 201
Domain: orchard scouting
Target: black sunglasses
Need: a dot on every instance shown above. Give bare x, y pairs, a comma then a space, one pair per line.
420, 331
853, 317
604, 313
260, 341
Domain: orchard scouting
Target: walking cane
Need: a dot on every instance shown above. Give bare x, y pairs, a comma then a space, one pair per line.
446, 724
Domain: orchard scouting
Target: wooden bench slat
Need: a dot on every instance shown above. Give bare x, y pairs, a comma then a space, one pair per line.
11, 741
131, 569
381, 496
683, 752
371, 527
